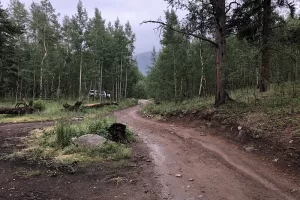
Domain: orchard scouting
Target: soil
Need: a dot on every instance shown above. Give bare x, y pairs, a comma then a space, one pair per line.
176, 161
193, 163
104, 181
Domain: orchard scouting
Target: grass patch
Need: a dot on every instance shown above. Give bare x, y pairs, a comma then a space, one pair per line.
53, 110
169, 109
56, 143
275, 111
27, 173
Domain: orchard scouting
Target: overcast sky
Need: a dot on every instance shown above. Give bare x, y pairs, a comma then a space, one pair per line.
134, 11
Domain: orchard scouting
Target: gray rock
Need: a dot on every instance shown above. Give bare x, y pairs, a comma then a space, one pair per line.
241, 134
209, 125
249, 149
89, 140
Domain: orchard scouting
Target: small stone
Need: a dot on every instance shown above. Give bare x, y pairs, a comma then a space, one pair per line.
190, 198
241, 134
291, 141
249, 149
294, 190
276, 160
201, 196
178, 175
240, 128
191, 179
209, 125
148, 161
256, 136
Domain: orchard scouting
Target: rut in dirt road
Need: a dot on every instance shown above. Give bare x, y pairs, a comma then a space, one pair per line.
210, 168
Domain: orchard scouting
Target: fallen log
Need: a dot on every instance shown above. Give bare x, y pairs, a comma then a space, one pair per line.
72, 108
17, 111
100, 105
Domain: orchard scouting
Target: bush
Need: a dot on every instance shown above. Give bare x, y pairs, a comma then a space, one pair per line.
99, 127
64, 132
39, 105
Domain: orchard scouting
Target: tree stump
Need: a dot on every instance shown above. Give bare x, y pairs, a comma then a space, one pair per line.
117, 133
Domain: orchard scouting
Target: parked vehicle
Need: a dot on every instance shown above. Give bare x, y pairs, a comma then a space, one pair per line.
102, 94
93, 93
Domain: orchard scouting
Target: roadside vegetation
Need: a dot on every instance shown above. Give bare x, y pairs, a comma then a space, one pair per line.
55, 143
53, 110
276, 111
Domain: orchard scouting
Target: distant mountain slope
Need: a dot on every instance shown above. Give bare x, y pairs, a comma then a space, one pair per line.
143, 60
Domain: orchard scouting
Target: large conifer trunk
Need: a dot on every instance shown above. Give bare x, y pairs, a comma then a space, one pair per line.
220, 35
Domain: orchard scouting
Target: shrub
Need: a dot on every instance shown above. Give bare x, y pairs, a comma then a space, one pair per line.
64, 132
39, 105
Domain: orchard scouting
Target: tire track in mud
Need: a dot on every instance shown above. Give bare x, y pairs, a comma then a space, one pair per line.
219, 170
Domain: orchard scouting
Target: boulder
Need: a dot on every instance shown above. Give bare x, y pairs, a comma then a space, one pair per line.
89, 140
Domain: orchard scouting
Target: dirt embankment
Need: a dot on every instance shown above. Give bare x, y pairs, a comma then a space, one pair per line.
277, 146
23, 180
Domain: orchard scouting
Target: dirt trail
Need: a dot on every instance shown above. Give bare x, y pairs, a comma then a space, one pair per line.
219, 169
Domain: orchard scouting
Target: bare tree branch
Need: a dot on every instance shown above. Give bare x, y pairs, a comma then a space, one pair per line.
182, 32
228, 8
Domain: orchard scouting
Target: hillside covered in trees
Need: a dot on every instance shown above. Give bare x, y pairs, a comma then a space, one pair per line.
46, 55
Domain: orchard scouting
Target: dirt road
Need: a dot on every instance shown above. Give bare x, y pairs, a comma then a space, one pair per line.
207, 166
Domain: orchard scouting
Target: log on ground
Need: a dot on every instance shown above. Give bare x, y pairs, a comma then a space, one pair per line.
17, 111
100, 105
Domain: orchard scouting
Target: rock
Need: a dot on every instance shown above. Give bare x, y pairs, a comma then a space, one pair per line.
291, 141
240, 128
256, 136
275, 160
241, 134
89, 140
191, 179
190, 198
78, 118
178, 175
209, 125
249, 149
201, 196
294, 190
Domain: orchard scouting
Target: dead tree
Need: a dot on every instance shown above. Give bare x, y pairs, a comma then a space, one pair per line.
72, 108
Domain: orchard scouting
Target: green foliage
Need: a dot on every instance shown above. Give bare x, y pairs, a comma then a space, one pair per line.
40, 105
64, 132
168, 109
100, 51
139, 90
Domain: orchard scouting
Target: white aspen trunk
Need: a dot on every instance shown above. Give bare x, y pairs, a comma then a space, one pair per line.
175, 77
201, 88
80, 75
101, 77
126, 82
121, 71
42, 64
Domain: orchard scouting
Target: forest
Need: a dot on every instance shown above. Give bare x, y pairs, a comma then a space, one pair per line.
48, 56
218, 48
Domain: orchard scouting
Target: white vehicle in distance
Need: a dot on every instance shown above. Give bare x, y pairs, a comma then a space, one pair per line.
93, 93
102, 94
